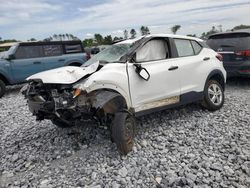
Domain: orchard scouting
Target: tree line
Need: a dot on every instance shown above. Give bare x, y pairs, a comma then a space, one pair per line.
98, 39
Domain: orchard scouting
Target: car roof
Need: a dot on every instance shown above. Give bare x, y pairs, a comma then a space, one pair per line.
131, 41
49, 42
229, 32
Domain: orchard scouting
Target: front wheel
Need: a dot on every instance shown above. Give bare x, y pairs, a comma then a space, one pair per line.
123, 131
2, 88
213, 96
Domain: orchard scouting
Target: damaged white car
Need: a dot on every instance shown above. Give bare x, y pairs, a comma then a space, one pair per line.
129, 79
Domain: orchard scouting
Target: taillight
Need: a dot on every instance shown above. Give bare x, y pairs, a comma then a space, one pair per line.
219, 57
245, 53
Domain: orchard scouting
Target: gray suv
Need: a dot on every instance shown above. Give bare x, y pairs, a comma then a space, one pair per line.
235, 48
27, 58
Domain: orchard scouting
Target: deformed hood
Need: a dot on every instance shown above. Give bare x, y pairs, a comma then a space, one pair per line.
64, 75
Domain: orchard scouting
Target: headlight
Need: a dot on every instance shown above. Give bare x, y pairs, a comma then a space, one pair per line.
76, 92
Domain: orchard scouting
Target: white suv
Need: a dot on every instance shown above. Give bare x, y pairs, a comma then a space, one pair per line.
129, 79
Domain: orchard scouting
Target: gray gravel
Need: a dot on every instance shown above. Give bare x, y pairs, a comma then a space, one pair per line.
184, 147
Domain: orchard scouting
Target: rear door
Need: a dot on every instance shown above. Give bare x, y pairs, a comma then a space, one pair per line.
192, 66
27, 62
53, 56
231, 46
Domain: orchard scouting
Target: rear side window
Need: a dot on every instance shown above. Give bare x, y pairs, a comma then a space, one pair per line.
196, 46
52, 50
25, 52
76, 48
184, 47
229, 42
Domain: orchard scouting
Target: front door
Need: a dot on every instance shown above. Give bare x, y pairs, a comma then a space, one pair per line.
27, 62
163, 86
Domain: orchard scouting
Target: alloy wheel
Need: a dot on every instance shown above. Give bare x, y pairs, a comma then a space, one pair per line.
215, 94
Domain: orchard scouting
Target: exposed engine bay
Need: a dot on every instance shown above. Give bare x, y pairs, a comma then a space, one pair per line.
69, 105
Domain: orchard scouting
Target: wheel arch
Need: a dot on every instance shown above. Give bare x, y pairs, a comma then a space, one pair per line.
110, 100
218, 76
75, 63
4, 79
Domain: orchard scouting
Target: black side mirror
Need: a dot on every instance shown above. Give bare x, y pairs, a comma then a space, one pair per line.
10, 57
142, 72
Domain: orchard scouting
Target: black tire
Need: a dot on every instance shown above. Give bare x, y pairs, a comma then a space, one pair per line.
207, 102
61, 123
2, 88
123, 132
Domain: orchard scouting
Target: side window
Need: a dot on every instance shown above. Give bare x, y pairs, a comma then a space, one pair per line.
25, 52
197, 47
76, 48
52, 50
156, 49
184, 47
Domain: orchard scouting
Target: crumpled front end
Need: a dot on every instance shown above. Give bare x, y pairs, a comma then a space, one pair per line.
53, 101
71, 105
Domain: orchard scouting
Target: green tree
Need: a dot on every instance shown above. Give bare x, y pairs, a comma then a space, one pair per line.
98, 38
63, 36
175, 28
55, 37
133, 33
144, 30
241, 27
67, 35
60, 37
125, 32
108, 40
88, 42
205, 35
32, 39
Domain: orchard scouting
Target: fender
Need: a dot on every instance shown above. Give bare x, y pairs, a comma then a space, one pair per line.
5, 78
216, 72
110, 101
114, 88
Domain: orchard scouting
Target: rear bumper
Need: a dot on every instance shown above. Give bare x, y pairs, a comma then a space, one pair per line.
240, 70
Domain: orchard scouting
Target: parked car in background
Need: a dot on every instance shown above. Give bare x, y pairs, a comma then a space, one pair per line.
6, 46
235, 48
129, 79
27, 58
95, 50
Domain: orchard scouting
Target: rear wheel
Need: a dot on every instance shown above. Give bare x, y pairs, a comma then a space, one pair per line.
2, 88
62, 124
123, 132
213, 96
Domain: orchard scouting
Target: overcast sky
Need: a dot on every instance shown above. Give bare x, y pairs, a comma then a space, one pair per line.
24, 19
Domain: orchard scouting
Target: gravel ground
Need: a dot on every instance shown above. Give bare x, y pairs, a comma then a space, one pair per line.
184, 147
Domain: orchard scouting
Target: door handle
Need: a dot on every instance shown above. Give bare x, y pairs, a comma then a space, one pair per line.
37, 62
206, 59
61, 59
173, 68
